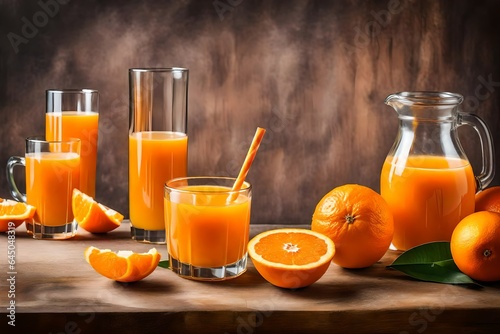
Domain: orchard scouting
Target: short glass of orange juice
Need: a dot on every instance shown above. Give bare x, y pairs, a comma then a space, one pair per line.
52, 171
207, 227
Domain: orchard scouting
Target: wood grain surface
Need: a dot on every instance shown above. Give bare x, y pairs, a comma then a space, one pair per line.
57, 291
313, 73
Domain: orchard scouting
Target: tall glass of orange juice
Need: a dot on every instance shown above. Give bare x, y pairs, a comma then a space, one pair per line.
52, 172
74, 113
207, 227
158, 145
426, 178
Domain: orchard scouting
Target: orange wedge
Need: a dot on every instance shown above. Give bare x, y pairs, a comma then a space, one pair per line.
92, 216
291, 257
15, 212
122, 266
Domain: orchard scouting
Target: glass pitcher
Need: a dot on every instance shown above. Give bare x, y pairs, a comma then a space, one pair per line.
426, 178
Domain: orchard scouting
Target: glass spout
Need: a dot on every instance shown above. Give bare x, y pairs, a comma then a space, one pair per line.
425, 104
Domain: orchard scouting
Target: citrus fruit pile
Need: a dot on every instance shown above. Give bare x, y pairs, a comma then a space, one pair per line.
15, 212
122, 266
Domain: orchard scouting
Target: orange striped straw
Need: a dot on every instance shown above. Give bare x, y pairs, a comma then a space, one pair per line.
252, 151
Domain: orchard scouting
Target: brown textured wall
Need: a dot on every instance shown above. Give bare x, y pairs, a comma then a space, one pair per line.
314, 73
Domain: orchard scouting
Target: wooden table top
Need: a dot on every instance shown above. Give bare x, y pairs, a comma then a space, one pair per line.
56, 291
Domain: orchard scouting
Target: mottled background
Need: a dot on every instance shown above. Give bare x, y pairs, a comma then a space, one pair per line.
314, 73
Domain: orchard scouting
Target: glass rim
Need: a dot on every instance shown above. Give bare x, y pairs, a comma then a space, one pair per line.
246, 186
425, 97
42, 139
158, 69
72, 91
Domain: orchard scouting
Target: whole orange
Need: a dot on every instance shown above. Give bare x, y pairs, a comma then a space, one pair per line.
359, 222
488, 199
475, 246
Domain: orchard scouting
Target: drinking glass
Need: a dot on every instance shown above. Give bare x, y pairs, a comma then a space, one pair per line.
74, 113
207, 227
158, 145
52, 172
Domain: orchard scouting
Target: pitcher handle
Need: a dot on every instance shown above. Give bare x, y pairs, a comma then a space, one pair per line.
14, 191
487, 150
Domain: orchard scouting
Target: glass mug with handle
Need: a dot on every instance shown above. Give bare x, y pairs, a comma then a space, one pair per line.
52, 172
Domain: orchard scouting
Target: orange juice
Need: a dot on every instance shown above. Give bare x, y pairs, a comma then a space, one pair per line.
82, 125
204, 230
154, 158
428, 195
50, 179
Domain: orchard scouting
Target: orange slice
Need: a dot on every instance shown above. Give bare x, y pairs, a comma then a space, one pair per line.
92, 216
15, 212
291, 257
122, 266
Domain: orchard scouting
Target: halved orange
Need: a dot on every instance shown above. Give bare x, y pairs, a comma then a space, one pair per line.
92, 216
122, 266
291, 257
15, 212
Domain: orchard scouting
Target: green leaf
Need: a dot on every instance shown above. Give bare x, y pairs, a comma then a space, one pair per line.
426, 253
164, 264
431, 262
